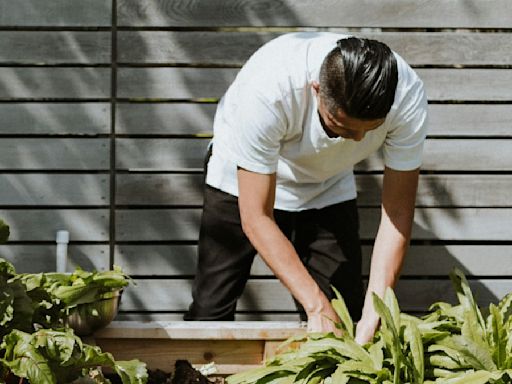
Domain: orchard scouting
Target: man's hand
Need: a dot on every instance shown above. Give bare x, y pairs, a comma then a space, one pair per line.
366, 328
323, 319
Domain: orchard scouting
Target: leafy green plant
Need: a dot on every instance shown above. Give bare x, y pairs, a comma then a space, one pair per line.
35, 342
452, 344
54, 357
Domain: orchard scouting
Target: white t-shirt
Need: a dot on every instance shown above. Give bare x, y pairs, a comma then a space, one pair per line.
268, 122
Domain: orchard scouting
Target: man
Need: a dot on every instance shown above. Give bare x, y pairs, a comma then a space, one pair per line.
302, 111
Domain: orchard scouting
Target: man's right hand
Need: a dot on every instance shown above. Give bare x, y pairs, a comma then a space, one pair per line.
323, 319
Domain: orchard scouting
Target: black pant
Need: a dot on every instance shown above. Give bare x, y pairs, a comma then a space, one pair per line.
327, 241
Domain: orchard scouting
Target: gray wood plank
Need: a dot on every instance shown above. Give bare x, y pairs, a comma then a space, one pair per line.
161, 154
433, 190
455, 155
52, 189
58, 82
43, 224
151, 225
234, 48
445, 190
165, 119
464, 224
270, 295
55, 13
175, 83
323, 13
41, 258
39, 47
159, 189
55, 118
468, 84
62, 154
475, 120
421, 260
478, 120
439, 155
478, 224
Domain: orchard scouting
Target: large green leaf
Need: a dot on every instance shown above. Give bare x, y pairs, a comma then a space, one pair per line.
131, 372
390, 334
465, 295
498, 336
478, 357
341, 310
24, 360
413, 337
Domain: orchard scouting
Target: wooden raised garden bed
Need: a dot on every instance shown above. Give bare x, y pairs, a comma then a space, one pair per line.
232, 346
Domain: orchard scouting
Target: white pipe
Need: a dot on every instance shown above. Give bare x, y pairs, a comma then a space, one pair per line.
62, 250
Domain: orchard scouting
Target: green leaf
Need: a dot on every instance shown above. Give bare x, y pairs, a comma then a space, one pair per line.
465, 295
390, 334
413, 337
341, 310
498, 336
478, 357
392, 304
256, 374
477, 377
131, 372
24, 360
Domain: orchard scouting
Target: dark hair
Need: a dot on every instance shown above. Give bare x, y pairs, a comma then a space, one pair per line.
359, 76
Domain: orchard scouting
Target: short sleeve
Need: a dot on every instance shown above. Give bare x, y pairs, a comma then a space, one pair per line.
260, 128
403, 146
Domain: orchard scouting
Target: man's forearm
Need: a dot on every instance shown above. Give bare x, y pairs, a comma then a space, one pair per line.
280, 255
389, 251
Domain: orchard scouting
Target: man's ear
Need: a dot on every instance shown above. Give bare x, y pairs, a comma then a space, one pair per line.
316, 87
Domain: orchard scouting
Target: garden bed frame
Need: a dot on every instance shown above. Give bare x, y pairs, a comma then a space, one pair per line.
232, 346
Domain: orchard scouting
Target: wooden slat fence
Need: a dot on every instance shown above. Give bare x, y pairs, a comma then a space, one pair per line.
106, 109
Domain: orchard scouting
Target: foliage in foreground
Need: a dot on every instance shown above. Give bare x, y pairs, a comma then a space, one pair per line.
34, 341
451, 345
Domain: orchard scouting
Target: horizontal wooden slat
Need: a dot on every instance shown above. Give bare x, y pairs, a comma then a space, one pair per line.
50, 189
80, 154
439, 155
433, 190
43, 224
205, 330
456, 155
162, 354
270, 295
159, 189
151, 225
326, 13
429, 224
75, 13
179, 118
479, 120
168, 154
234, 48
39, 47
421, 260
41, 258
191, 119
54, 118
467, 84
194, 83
174, 83
54, 83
